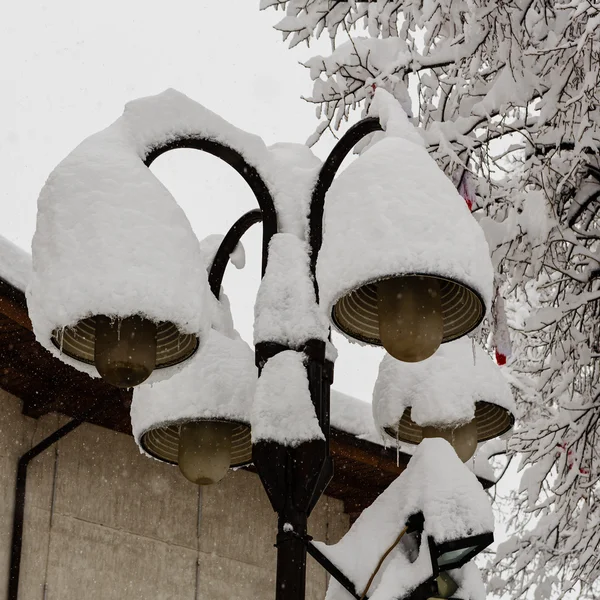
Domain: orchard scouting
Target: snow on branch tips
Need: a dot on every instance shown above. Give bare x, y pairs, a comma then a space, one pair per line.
508, 92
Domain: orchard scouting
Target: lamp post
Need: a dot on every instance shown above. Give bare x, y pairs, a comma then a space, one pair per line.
118, 288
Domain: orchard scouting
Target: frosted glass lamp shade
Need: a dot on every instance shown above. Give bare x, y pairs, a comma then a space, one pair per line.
125, 350
204, 455
79, 342
462, 438
410, 317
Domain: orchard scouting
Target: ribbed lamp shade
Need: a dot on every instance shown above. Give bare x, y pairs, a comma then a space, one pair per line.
356, 314
216, 386
112, 243
447, 390
162, 443
172, 346
393, 213
491, 421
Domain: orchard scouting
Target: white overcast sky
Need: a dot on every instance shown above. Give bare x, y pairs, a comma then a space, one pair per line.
69, 67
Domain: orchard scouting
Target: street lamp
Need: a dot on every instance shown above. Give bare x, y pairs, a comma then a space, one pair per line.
458, 394
200, 419
115, 260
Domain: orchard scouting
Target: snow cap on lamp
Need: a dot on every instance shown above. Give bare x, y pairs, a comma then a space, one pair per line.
111, 240
216, 384
393, 213
447, 390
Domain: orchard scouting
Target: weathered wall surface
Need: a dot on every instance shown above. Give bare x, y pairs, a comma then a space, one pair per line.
103, 522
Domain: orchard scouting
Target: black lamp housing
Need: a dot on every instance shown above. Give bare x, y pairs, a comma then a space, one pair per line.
457, 553
445, 556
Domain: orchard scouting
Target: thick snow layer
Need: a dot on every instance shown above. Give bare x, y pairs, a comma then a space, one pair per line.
442, 390
470, 583
217, 383
286, 310
393, 211
454, 505
283, 411
111, 239
210, 245
354, 416
485, 452
293, 172
15, 264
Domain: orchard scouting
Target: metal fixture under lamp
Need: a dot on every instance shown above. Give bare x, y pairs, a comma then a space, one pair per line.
411, 327
445, 556
203, 450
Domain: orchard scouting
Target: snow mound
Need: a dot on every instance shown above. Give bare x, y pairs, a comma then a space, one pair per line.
15, 264
454, 505
111, 239
286, 310
283, 411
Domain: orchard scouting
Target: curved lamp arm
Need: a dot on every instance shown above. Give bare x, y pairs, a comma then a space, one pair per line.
326, 175
238, 162
228, 245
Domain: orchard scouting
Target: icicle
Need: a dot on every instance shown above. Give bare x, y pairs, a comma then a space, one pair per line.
62, 339
398, 446
118, 330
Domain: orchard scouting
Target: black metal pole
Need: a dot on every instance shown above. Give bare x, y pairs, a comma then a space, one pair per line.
326, 175
332, 570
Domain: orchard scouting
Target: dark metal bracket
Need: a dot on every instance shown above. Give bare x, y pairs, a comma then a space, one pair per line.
331, 569
16, 550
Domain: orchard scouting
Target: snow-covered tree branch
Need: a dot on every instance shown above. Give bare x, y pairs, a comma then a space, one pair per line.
507, 96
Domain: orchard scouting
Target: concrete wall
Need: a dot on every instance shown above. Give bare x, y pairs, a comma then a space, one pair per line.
103, 522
